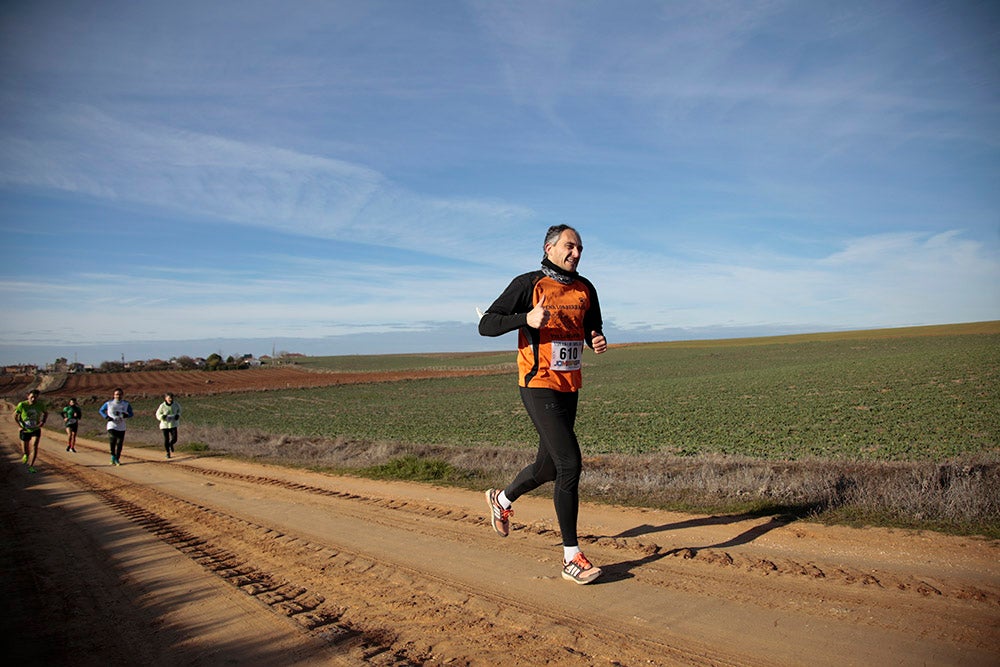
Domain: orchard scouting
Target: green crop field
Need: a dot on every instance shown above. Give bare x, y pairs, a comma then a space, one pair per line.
405, 362
923, 394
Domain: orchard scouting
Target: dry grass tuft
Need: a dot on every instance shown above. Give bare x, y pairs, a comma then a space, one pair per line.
958, 496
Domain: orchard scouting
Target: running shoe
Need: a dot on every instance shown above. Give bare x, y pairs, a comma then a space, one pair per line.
32, 469
24, 459
67, 449
500, 516
580, 570
73, 449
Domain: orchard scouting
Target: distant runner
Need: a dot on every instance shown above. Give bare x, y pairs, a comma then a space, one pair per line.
116, 411
556, 312
169, 413
30, 415
71, 420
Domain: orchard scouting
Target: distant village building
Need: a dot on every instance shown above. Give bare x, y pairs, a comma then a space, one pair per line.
20, 369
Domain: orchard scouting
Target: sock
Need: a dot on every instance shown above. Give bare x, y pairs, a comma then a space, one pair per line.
569, 552
502, 499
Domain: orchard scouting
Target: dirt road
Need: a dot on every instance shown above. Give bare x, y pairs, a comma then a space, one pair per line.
203, 561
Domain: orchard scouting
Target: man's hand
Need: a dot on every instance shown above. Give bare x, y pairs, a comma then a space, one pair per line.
598, 342
538, 316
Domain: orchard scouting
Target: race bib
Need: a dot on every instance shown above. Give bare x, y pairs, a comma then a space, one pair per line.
567, 355
70, 421
30, 424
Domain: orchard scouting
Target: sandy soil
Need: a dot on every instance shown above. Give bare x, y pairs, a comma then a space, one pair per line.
204, 561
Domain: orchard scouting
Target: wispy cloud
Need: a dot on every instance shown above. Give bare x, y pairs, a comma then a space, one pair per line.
262, 169
880, 280
212, 177
884, 280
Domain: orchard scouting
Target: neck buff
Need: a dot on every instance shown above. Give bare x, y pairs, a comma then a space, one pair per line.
557, 274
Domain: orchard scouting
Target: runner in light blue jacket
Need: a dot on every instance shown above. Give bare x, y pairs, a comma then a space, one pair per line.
116, 411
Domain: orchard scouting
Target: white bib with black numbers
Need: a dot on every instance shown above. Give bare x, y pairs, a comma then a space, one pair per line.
567, 355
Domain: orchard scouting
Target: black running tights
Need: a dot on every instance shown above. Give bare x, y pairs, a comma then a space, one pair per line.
554, 414
117, 439
169, 438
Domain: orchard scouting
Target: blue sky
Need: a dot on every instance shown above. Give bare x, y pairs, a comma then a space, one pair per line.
357, 177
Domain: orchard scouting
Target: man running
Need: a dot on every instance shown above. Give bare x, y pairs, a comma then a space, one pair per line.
115, 412
30, 415
71, 421
169, 413
556, 312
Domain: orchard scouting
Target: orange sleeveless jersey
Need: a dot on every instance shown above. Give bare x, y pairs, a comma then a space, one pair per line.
551, 357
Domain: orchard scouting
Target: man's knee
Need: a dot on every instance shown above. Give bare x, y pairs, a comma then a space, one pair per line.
569, 469
545, 475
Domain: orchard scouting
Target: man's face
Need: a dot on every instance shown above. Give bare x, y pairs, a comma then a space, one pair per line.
565, 252
118, 395
31, 398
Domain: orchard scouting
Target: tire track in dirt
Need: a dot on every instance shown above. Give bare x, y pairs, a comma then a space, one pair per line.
718, 573
284, 597
826, 573
832, 583
225, 545
677, 592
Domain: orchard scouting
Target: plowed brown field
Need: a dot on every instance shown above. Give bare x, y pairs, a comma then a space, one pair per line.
15, 386
153, 383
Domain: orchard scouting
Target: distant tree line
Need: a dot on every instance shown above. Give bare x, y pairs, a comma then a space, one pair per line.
214, 362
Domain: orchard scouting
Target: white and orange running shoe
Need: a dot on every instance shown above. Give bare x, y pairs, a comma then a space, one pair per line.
500, 516
580, 570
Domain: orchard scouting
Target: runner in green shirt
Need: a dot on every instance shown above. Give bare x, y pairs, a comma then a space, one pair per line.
30, 415
71, 420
